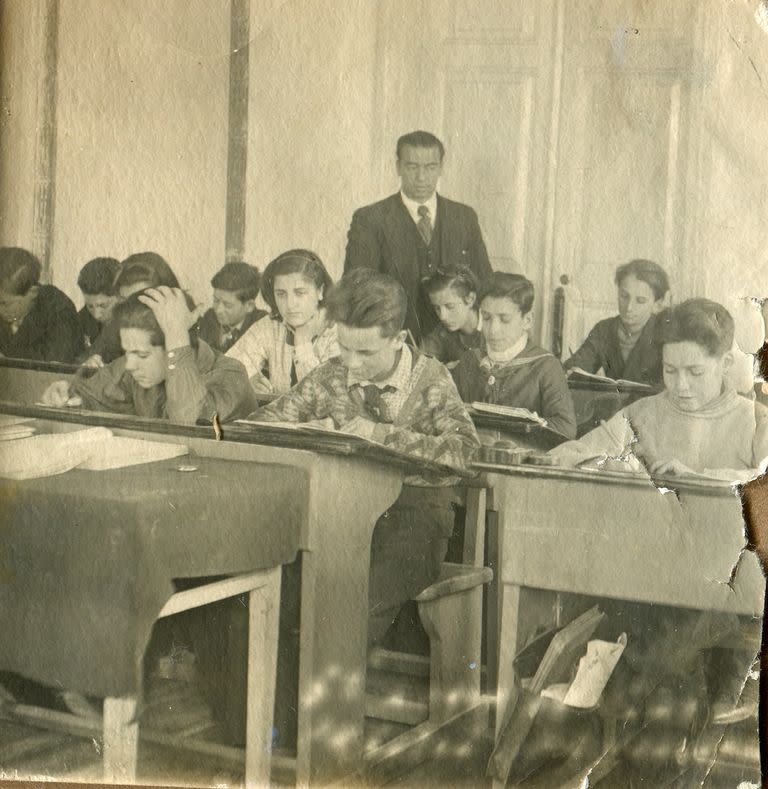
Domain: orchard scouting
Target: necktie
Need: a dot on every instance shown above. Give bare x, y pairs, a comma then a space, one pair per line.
374, 402
424, 224
228, 336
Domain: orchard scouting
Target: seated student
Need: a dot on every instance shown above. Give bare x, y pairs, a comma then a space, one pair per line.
381, 389
508, 368
139, 271
164, 372
234, 311
624, 346
698, 424
278, 351
97, 284
36, 321
452, 290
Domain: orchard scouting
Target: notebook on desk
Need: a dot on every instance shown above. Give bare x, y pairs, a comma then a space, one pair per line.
578, 375
509, 410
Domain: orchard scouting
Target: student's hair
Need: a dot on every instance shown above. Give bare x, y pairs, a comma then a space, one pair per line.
97, 277
238, 278
419, 139
294, 261
457, 277
134, 314
701, 321
19, 270
146, 267
646, 271
364, 298
514, 287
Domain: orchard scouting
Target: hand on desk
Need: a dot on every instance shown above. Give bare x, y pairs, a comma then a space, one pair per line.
58, 395
366, 428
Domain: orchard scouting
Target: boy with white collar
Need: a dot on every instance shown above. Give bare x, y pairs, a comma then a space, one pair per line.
508, 368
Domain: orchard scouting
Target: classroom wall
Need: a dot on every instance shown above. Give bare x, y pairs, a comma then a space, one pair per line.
21, 71
142, 125
142, 134
310, 154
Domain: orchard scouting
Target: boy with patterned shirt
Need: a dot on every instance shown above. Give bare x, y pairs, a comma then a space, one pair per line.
380, 389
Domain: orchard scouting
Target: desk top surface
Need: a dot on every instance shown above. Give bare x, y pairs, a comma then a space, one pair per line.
89, 557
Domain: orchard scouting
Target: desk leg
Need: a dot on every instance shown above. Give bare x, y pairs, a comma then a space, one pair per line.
508, 648
121, 740
263, 617
334, 621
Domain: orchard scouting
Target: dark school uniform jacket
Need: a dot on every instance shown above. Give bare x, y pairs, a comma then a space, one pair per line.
50, 331
208, 329
534, 379
601, 349
384, 237
89, 326
449, 346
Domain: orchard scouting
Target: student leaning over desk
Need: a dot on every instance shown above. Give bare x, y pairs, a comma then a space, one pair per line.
36, 321
164, 372
698, 424
381, 389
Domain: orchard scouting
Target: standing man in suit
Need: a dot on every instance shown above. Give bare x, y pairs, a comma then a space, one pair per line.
412, 233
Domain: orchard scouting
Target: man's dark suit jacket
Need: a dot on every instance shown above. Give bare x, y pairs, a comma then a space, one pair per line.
384, 237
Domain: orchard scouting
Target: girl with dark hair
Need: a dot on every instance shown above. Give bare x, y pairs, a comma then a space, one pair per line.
36, 321
164, 371
279, 350
698, 425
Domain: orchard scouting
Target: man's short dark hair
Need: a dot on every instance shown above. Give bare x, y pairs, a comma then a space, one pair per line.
238, 278
514, 287
646, 271
97, 277
420, 139
701, 321
19, 270
364, 298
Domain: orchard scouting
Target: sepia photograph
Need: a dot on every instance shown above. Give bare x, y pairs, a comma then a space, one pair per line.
383, 393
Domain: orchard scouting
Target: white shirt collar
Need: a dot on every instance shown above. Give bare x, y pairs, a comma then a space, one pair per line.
399, 377
413, 207
510, 353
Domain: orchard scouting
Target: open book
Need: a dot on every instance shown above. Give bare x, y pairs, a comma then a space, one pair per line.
510, 411
577, 374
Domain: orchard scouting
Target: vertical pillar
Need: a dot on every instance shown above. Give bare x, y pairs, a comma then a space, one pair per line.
28, 61
237, 149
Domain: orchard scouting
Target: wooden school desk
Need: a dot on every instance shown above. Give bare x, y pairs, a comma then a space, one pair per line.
613, 535
335, 533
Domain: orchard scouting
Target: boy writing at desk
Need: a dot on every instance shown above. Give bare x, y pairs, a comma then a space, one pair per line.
164, 371
381, 389
698, 425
